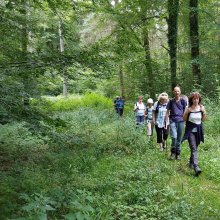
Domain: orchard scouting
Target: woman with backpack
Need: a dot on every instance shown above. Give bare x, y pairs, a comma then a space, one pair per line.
159, 113
149, 118
194, 115
139, 108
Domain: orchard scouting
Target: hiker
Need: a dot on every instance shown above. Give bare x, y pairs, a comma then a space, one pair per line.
139, 108
120, 106
194, 115
149, 117
159, 114
175, 109
115, 104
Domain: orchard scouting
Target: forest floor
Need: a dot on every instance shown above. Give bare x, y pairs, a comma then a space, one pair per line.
101, 167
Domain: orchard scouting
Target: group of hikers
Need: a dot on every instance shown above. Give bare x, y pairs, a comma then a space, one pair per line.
168, 116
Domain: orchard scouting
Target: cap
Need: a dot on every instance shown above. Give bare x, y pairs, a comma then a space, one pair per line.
150, 101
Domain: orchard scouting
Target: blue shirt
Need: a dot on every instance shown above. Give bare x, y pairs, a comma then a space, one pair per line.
160, 116
176, 109
120, 104
150, 114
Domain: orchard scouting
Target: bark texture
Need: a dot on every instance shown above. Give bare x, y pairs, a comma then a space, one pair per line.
194, 38
173, 9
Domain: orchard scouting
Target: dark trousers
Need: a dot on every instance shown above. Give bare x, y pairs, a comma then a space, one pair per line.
193, 148
120, 111
162, 133
140, 121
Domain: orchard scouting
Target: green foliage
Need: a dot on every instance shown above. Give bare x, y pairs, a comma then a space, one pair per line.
101, 167
74, 102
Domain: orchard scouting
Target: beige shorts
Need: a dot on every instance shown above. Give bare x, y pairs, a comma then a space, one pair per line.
150, 128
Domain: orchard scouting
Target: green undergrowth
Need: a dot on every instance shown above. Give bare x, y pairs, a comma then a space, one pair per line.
73, 102
101, 167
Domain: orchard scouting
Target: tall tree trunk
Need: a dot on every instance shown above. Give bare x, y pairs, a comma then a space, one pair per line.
121, 76
62, 50
24, 43
173, 9
148, 64
121, 81
194, 37
29, 33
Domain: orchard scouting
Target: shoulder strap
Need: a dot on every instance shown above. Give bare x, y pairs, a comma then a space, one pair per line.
191, 112
158, 103
171, 101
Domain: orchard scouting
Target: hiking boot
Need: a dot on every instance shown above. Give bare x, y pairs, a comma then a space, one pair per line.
198, 171
161, 149
178, 157
172, 156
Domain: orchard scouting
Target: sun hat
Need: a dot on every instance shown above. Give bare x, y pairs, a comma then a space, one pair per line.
150, 101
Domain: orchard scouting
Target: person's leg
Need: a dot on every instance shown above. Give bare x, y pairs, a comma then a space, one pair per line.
138, 121
159, 136
149, 127
179, 126
193, 148
142, 121
166, 132
165, 135
173, 134
121, 111
152, 128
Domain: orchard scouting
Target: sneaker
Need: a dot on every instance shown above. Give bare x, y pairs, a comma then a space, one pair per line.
172, 156
161, 149
198, 171
178, 157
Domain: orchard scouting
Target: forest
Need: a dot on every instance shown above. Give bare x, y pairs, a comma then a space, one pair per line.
64, 152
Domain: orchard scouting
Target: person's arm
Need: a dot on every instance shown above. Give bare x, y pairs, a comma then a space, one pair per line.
153, 117
135, 108
202, 109
185, 115
146, 114
166, 118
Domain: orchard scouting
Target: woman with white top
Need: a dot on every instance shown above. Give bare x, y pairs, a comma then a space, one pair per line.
194, 115
140, 108
159, 113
